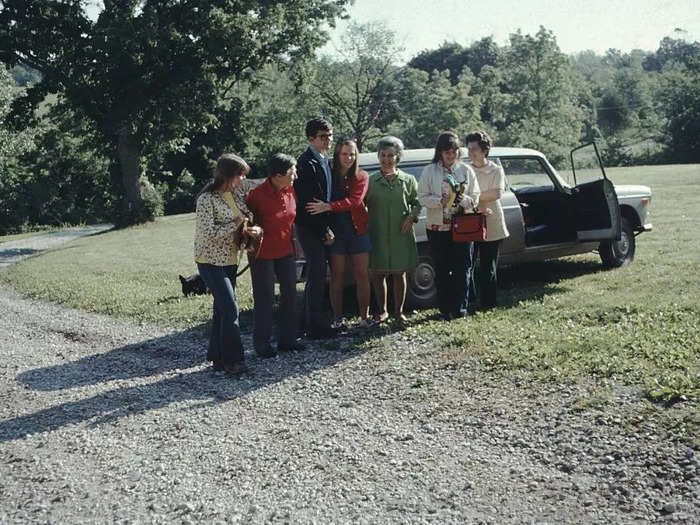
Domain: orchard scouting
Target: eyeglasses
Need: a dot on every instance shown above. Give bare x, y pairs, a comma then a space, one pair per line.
324, 135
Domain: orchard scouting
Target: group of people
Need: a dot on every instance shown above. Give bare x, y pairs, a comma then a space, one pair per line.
339, 213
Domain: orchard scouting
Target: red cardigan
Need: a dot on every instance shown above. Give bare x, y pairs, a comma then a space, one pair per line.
355, 202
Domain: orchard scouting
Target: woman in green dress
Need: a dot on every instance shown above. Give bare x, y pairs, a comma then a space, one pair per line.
392, 201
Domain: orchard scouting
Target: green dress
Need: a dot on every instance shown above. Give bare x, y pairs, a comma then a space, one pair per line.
389, 203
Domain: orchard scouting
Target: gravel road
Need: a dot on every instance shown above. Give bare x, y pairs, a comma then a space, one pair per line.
105, 421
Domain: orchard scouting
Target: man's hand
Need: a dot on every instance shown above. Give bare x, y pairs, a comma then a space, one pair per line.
317, 206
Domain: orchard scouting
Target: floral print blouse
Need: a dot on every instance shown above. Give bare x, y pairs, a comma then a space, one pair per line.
218, 219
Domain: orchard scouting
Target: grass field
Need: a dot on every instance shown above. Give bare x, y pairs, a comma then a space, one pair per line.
559, 320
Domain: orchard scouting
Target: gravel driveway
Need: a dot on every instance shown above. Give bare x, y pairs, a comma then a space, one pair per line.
105, 421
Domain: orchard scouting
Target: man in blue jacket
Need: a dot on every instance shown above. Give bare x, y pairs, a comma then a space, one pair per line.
314, 181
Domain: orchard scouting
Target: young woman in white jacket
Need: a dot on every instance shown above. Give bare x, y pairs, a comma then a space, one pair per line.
447, 186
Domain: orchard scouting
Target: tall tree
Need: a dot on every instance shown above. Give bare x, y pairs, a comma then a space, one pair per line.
672, 50
543, 112
149, 73
430, 104
455, 57
357, 87
679, 94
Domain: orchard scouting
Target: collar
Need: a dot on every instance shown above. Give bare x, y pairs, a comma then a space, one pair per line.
318, 155
270, 189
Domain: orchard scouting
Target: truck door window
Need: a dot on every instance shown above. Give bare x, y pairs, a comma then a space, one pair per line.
523, 173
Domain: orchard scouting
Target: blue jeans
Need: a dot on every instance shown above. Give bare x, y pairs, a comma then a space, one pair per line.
225, 345
453, 271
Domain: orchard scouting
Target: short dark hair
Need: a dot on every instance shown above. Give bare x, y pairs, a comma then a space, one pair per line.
482, 138
317, 124
446, 141
279, 163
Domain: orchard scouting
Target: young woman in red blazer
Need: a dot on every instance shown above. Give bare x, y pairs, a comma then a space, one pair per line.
349, 221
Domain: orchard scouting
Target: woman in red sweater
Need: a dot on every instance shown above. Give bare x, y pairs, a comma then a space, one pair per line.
349, 224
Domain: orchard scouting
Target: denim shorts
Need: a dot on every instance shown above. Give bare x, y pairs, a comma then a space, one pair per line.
350, 245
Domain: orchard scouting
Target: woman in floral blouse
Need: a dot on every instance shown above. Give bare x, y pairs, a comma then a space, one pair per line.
219, 221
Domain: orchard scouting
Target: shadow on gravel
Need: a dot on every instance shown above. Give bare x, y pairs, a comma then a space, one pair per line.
539, 279
175, 351
157, 356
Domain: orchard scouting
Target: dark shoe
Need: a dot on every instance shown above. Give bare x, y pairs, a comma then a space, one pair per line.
218, 366
236, 369
266, 353
294, 347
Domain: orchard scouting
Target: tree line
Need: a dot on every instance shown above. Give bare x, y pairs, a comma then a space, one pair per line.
119, 118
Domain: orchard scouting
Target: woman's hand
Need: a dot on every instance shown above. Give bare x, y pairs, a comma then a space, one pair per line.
317, 206
483, 209
407, 224
254, 232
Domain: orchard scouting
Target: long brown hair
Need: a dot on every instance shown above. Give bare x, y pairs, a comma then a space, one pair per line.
339, 180
227, 167
446, 141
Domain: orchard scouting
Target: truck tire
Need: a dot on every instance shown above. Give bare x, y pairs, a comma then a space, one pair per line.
421, 291
617, 253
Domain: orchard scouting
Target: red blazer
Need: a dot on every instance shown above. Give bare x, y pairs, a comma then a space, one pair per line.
355, 202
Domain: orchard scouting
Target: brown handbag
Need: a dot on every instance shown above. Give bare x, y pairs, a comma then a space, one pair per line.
468, 228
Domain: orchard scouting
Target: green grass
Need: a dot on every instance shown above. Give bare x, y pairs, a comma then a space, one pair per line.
126, 273
560, 320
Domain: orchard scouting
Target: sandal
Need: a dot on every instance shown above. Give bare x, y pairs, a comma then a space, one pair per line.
400, 318
380, 318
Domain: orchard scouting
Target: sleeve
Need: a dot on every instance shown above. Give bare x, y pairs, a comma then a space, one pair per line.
206, 223
252, 205
470, 198
496, 192
304, 188
240, 196
412, 199
426, 195
356, 197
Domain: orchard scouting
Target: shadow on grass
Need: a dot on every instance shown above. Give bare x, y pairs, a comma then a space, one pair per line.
536, 280
17, 252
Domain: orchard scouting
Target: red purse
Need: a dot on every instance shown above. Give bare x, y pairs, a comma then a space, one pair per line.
467, 228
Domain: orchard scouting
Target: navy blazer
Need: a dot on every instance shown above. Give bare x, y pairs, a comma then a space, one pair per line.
310, 185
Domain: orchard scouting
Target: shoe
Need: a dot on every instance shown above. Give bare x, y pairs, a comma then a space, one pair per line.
339, 324
448, 316
266, 353
380, 318
368, 324
400, 318
217, 366
236, 369
294, 347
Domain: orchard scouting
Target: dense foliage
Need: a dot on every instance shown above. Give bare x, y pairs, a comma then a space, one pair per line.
119, 118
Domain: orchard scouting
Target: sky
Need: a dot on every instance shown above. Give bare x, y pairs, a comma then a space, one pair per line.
578, 25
